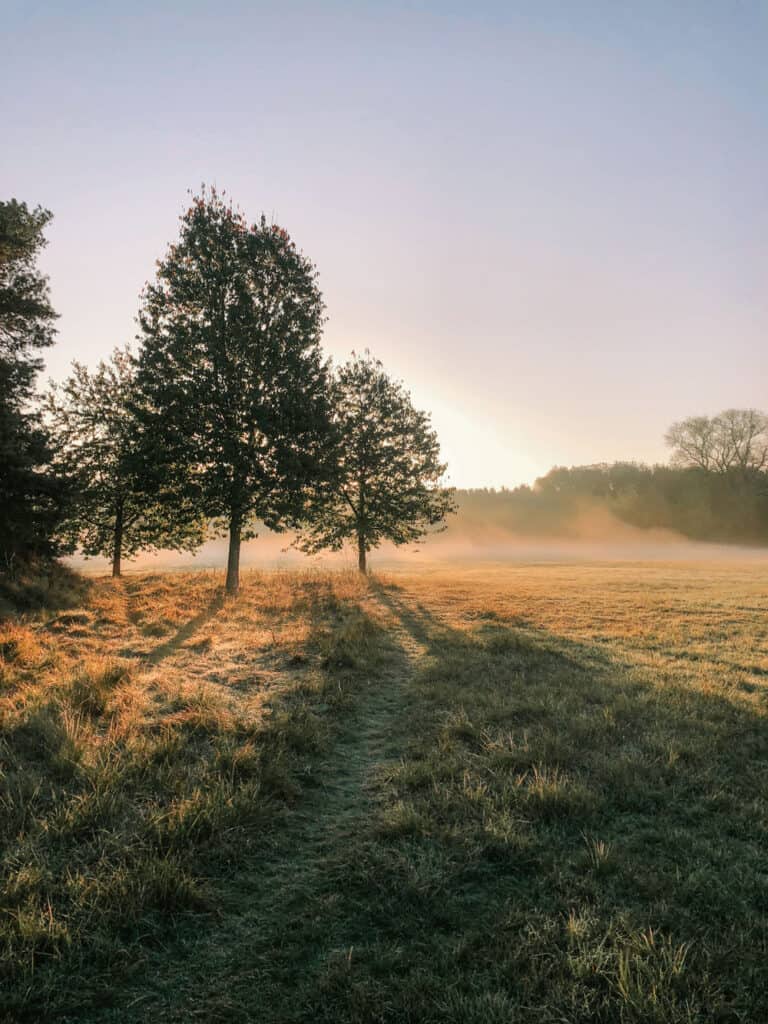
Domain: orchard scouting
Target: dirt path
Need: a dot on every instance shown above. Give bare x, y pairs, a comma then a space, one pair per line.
260, 911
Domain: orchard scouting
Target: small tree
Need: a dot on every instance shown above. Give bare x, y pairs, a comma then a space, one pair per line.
388, 468
98, 449
232, 385
30, 495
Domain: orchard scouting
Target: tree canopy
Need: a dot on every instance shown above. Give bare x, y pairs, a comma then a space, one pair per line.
26, 315
736, 439
30, 495
232, 384
388, 474
98, 450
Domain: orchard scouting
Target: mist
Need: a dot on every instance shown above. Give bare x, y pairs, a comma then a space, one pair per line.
592, 534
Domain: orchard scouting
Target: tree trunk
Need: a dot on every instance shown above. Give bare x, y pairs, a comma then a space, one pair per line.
361, 564
233, 558
117, 546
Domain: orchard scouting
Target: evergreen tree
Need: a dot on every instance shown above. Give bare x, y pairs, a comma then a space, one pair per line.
232, 385
98, 449
388, 470
30, 496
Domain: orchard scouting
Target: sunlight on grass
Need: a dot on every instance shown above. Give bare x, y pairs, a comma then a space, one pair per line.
528, 794
129, 781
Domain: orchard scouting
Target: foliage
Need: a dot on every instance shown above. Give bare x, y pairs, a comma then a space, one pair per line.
736, 439
232, 386
26, 316
387, 484
98, 449
30, 496
708, 506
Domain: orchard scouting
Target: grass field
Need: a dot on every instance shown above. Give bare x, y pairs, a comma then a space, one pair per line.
524, 793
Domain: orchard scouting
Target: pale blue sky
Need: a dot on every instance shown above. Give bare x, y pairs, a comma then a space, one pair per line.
550, 219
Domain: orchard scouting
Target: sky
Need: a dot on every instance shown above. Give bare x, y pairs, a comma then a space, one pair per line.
549, 219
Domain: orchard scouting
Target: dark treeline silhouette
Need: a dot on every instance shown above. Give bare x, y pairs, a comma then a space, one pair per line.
728, 506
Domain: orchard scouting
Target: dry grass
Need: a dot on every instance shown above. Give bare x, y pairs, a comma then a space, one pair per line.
518, 794
148, 741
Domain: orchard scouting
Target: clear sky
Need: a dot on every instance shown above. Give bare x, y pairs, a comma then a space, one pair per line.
550, 219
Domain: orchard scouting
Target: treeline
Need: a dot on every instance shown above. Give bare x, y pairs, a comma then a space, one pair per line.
701, 504
227, 415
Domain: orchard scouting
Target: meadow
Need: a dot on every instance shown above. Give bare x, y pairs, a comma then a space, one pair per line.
500, 793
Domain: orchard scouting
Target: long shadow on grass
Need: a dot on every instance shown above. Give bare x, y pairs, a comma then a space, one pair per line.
567, 837
188, 630
589, 675
433, 633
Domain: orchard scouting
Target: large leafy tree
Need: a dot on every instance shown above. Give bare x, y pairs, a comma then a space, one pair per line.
388, 480
98, 450
232, 384
30, 495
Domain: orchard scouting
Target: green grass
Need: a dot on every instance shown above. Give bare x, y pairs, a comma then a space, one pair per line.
125, 790
565, 838
565, 841
535, 794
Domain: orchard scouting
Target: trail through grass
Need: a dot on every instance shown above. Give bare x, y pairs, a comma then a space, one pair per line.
536, 794
147, 753
263, 909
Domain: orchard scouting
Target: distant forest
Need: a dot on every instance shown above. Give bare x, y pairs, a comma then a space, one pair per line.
728, 505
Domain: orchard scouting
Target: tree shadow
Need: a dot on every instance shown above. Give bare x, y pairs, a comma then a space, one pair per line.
415, 617
647, 740
557, 777
434, 633
169, 647
544, 781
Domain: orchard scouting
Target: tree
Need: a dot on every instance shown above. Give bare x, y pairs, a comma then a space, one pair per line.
232, 384
692, 442
31, 497
388, 477
98, 449
742, 436
736, 439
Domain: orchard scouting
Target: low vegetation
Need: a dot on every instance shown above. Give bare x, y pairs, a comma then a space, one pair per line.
524, 794
577, 830
150, 739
